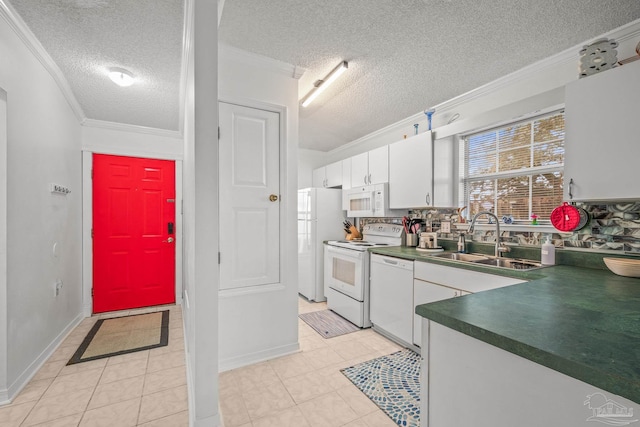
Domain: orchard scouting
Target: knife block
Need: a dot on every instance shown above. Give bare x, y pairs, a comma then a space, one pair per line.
355, 234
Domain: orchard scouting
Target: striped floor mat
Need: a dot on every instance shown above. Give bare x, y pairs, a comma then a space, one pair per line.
328, 324
393, 383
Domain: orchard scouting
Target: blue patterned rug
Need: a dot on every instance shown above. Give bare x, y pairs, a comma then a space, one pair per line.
393, 383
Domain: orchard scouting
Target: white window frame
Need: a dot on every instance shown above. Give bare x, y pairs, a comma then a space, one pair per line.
531, 171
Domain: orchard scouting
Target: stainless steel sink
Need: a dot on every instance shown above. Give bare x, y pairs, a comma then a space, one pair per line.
510, 263
462, 257
514, 264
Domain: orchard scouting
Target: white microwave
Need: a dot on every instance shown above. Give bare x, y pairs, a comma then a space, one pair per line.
368, 201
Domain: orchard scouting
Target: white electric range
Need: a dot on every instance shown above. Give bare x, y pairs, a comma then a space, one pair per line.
346, 270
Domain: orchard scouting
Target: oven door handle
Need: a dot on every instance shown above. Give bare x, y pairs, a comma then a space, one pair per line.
346, 252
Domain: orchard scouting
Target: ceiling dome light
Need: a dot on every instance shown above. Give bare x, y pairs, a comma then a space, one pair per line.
121, 77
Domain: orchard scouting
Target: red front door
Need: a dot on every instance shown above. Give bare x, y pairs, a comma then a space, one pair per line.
133, 232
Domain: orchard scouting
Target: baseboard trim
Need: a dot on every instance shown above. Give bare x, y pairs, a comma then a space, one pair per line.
257, 357
24, 378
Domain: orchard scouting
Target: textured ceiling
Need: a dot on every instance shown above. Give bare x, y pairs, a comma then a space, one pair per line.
87, 37
404, 55
407, 55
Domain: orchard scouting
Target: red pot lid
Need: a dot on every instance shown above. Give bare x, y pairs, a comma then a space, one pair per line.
565, 217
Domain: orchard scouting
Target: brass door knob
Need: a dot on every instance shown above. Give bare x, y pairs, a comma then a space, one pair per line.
273, 198
169, 240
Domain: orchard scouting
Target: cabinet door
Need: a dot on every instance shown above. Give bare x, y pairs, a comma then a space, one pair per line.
346, 183
410, 172
334, 174
444, 172
601, 122
426, 292
379, 165
319, 177
346, 174
360, 170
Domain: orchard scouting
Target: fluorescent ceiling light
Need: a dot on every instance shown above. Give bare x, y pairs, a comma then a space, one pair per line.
323, 84
121, 77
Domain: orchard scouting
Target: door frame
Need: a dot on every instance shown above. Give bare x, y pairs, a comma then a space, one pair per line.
87, 225
286, 203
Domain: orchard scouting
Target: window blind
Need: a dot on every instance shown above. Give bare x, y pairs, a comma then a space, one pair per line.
516, 169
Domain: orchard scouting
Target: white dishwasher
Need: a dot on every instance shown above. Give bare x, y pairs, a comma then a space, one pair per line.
391, 297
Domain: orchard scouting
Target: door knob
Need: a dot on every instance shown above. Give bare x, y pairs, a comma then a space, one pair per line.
273, 198
169, 240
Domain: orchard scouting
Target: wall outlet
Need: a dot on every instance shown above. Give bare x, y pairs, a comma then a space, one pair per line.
445, 227
57, 287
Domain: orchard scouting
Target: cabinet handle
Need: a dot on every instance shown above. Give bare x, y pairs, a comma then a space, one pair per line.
365, 179
428, 199
571, 188
369, 178
456, 294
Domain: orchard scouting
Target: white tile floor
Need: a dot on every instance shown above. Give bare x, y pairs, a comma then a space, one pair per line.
146, 388
306, 389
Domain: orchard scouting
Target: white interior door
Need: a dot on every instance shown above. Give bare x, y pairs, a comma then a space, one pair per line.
249, 196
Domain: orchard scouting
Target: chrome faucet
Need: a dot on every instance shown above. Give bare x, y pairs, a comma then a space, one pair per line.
499, 249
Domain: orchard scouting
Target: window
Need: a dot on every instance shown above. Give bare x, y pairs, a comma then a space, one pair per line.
515, 170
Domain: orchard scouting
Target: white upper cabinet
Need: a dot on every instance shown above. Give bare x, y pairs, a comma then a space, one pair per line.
346, 174
360, 170
329, 176
601, 141
422, 172
411, 172
379, 165
444, 172
371, 167
319, 177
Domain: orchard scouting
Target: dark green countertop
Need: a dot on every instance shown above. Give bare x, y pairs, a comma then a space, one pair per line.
579, 321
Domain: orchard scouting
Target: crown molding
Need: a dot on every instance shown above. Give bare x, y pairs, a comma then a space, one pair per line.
131, 128
30, 40
260, 61
620, 34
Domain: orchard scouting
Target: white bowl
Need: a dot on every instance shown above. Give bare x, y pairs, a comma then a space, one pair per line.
623, 266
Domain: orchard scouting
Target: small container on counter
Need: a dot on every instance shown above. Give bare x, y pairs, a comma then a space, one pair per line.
412, 239
548, 253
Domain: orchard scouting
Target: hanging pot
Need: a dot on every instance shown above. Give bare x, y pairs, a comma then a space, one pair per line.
584, 219
565, 217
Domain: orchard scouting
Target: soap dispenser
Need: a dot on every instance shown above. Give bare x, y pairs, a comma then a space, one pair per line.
548, 253
462, 244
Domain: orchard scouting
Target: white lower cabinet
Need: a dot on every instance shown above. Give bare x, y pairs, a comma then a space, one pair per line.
426, 292
398, 286
434, 282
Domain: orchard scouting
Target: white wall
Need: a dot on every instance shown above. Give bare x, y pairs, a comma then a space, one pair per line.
124, 140
44, 141
261, 322
200, 306
308, 160
3, 246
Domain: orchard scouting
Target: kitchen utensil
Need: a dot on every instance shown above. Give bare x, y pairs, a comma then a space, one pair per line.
623, 266
565, 217
584, 218
405, 224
